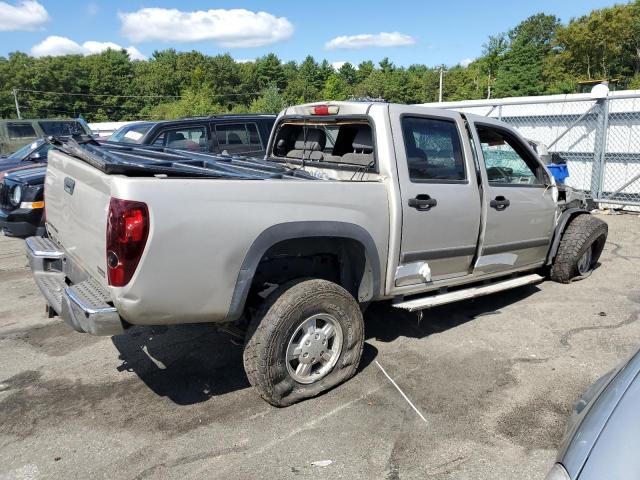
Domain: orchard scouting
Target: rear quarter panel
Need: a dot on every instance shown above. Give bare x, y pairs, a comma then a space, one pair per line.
201, 230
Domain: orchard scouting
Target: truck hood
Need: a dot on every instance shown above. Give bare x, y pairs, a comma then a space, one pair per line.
18, 166
29, 175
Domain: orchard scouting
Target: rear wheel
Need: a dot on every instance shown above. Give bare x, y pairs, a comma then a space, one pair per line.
305, 339
580, 248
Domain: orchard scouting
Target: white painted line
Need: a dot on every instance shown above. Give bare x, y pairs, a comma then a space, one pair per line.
157, 362
401, 392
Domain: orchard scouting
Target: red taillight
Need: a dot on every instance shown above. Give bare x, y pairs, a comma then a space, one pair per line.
127, 232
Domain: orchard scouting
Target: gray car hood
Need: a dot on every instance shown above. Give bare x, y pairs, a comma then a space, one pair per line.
616, 453
604, 431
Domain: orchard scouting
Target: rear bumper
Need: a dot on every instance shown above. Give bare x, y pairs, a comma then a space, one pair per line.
85, 306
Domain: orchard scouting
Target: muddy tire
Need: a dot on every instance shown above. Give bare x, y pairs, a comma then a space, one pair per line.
306, 338
580, 248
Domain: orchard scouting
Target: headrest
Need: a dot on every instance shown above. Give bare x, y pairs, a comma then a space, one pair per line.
363, 142
315, 140
176, 136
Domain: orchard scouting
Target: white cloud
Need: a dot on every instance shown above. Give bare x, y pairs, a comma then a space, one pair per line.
337, 65
244, 60
465, 62
55, 46
364, 40
26, 15
229, 28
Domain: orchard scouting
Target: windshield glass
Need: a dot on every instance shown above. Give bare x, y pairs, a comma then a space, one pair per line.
130, 133
24, 151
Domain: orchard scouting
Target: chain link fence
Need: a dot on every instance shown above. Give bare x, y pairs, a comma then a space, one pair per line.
598, 138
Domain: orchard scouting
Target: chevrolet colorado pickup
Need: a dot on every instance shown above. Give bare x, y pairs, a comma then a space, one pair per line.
354, 202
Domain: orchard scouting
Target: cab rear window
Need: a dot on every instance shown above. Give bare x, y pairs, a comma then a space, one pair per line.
348, 143
60, 128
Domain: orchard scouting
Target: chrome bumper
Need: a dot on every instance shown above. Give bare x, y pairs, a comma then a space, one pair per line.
85, 306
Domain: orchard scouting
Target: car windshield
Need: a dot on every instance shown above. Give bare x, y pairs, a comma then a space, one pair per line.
130, 133
24, 151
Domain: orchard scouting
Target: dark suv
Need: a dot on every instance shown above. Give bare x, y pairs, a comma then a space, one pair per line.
231, 134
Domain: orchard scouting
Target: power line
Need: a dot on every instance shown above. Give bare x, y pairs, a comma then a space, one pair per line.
96, 94
134, 96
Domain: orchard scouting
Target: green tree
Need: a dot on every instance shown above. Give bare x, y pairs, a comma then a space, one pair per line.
335, 88
521, 70
348, 73
271, 101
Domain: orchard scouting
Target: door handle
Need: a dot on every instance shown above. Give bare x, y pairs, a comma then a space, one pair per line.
499, 203
423, 203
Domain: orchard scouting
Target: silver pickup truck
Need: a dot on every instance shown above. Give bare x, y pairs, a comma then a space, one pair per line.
355, 202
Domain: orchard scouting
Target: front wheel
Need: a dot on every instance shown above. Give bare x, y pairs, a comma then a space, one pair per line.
580, 248
306, 338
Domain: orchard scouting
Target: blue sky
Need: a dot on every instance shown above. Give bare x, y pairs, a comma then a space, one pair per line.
413, 31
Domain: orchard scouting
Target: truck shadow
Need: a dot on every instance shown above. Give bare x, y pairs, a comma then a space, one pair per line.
190, 364
186, 363
386, 323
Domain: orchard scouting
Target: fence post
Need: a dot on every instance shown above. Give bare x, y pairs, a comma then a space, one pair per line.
599, 149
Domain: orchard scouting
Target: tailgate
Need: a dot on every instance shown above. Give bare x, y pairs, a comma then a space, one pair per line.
77, 202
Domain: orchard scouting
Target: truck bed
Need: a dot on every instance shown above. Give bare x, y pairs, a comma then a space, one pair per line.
114, 159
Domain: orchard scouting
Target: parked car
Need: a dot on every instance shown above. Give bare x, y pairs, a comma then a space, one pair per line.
603, 437
33, 153
232, 134
355, 202
14, 134
22, 202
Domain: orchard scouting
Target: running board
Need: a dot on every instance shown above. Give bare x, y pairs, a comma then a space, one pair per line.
472, 292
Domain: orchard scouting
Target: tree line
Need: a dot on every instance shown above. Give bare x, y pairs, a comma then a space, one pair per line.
539, 56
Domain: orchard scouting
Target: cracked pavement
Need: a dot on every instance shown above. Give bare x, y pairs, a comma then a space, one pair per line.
495, 379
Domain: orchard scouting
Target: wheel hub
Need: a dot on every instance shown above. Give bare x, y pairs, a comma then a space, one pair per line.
314, 348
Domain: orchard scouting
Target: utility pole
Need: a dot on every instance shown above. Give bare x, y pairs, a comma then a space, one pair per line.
15, 97
441, 79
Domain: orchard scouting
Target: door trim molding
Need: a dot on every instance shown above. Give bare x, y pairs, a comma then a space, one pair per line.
519, 245
437, 254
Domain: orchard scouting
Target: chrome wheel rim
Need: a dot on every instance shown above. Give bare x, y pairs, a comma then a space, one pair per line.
314, 348
584, 264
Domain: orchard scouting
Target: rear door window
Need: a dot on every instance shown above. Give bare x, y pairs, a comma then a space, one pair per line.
434, 150
238, 137
192, 138
20, 131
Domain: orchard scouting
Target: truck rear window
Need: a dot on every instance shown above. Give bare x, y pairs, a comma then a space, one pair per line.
61, 128
346, 143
